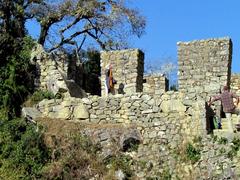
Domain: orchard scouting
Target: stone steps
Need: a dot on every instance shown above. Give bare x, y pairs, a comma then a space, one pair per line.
224, 132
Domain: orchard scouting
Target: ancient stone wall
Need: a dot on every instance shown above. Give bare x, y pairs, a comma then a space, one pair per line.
56, 73
127, 66
204, 66
48, 67
165, 120
169, 111
235, 83
165, 124
155, 84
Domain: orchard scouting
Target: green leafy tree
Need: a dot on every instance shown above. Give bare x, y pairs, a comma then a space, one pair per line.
15, 70
22, 151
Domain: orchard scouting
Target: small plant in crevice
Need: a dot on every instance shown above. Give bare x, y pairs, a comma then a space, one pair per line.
120, 162
214, 138
235, 147
38, 96
164, 175
142, 164
192, 153
222, 150
197, 139
223, 140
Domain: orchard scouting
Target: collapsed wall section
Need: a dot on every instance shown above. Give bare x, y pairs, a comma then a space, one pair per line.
127, 67
204, 66
56, 72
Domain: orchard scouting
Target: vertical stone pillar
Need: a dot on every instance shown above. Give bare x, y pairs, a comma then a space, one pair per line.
204, 66
128, 67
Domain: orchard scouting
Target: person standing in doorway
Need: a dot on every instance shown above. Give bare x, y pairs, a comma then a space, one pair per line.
110, 81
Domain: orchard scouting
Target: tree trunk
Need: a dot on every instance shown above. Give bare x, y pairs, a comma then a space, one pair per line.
43, 34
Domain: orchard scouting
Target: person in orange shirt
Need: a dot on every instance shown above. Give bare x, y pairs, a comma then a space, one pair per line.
110, 81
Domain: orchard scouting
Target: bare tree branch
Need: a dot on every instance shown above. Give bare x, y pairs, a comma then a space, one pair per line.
68, 40
103, 46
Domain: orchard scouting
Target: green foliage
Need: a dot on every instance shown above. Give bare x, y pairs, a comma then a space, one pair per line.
223, 140
192, 153
16, 80
22, 150
166, 175
86, 144
92, 65
38, 96
214, 138
122, 162
235, 147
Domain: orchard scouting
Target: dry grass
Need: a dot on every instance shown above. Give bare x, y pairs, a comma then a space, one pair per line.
75, 156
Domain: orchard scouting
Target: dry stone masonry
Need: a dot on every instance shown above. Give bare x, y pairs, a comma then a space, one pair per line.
49, 70
235, 83
162, 120
128, 67
204, 66
155, 84
56, 73
164, 110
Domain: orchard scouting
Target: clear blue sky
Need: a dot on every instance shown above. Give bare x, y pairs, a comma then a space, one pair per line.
170, 21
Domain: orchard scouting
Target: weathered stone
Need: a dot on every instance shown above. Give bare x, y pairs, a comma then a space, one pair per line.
80, 112
62, 113
148, 111
86, 101
31, 113
172, 105
127, 70
203, 66
146, 98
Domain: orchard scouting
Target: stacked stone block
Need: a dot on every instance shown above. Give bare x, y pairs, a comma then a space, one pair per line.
204, 66
127, 66
235, 83
56, 73
49, 67
165, 110
155, 84
165, 122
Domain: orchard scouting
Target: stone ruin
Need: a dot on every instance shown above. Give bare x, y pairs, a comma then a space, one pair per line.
204, 68
57, 73
164, 118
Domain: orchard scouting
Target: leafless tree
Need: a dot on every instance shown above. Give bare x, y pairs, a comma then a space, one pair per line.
72, 22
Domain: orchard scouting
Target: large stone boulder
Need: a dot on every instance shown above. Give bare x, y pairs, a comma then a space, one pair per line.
80, 112
31, 113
